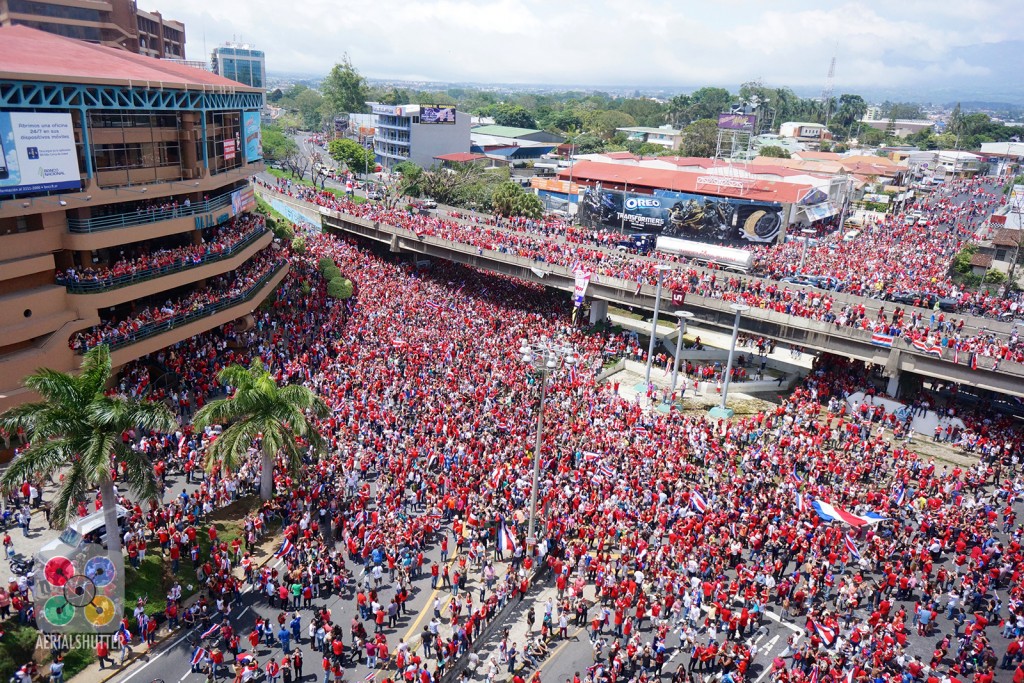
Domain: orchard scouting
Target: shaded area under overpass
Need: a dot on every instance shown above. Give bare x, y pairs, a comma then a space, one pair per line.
789, 329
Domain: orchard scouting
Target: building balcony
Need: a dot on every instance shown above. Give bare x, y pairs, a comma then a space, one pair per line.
142, 217
112, 291
185, 320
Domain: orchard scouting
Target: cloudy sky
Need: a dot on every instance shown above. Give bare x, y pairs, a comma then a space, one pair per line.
910, 43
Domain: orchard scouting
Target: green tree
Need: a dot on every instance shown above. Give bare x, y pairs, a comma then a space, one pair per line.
276, 145
344, 89
412, 178
565, 121
76, 429
511, 200
700, 138
261, 411
357, 158
513, 115
645, 112
604, 123
774, 151
852, 108
339, 288
308, 105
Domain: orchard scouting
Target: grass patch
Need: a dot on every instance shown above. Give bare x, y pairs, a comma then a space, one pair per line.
154, 578
286, 175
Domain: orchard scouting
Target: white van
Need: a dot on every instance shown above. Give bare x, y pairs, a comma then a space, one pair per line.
91, 527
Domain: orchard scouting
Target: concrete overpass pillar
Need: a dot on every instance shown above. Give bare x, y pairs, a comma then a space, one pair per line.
893, 387
598, 310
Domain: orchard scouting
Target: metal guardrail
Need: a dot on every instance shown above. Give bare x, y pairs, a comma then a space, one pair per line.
144, 217
168, 324
106, 284
627, 287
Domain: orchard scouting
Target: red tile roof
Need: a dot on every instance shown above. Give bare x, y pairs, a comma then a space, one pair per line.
460, 157
587, 172
28, 54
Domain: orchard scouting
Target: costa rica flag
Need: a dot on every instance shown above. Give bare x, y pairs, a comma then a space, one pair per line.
198, 655
285, 548
698, 503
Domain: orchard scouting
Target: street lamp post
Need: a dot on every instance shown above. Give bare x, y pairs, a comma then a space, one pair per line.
544, 357
807, 233
684, 317
721, 410
661, 268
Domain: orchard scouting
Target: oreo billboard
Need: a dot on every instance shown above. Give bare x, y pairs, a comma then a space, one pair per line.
717, 220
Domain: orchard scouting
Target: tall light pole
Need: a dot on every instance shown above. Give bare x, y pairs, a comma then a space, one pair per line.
544, 357
684, 317
721, 411
661, 268
807, 233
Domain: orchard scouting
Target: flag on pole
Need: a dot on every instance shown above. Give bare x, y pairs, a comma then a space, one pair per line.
851, 547
198, 655
506, 539
285, 548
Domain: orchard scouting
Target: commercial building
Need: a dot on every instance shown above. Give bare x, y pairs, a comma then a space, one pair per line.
665, 136
418, 133
115, 23
901, 128
241, 63
113, 163
701, 199
810, 134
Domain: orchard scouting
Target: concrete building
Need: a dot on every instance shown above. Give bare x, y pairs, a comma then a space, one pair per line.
666, 136
114, 23
901, 127
808, 133
110, 157
418, 133
241, 63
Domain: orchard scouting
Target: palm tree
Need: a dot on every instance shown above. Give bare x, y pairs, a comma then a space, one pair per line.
75, 429
260, 409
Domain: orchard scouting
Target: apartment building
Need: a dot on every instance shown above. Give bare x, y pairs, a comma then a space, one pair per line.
109, 160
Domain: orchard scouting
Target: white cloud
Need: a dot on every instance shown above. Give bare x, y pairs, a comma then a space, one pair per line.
605, 42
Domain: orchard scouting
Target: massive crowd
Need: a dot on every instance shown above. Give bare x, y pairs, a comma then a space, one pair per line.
139, 262
875, 263
222, 289
689, 530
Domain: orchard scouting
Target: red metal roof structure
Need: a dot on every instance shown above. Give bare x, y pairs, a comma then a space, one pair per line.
32, 55
460, 157
619, 176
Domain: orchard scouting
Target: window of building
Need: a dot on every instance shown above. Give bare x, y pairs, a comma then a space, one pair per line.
44, 9
223, 140
88, 33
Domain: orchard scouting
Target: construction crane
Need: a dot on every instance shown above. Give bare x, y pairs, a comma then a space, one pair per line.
826, 94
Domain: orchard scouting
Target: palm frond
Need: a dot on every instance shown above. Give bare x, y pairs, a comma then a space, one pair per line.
56, 388
42, 458
136, 471
96, 369
72, 490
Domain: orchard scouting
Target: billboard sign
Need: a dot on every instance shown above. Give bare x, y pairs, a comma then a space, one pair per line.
229, 149
703, 218
386, 109
37, 153
251, 125
810, 131
243, 200
437, 114
743, 122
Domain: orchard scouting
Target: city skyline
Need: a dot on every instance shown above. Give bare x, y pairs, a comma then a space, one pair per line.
919, 47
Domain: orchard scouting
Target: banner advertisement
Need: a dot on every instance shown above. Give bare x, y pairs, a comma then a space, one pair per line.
582, 280
229, 150
720, 220
431, 114
253, 136
743, 122
243, 200
37, 153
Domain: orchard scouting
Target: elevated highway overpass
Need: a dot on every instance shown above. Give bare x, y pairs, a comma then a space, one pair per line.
790, 329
